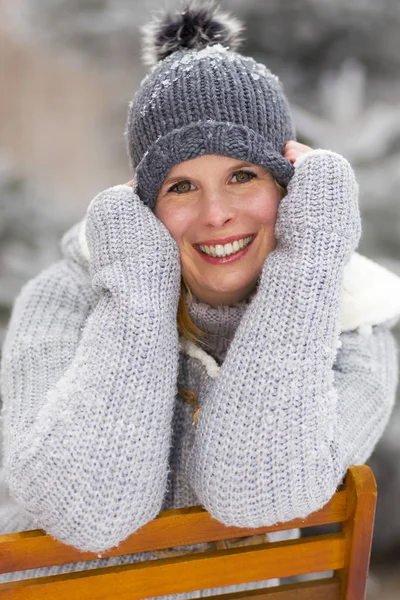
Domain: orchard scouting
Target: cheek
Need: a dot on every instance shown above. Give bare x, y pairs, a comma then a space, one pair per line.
265, 210
177, 219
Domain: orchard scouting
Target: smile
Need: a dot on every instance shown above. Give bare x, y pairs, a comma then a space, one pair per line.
221, 254
221, 251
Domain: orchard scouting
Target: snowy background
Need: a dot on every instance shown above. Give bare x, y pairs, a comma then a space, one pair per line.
69, 67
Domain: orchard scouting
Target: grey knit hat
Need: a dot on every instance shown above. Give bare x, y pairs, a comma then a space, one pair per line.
203, 97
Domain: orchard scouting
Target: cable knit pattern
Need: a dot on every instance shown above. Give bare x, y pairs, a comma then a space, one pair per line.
96, 439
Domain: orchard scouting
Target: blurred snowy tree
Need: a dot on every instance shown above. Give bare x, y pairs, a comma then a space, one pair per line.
102, 32
301, 38
369, 137
340, 118
30, 230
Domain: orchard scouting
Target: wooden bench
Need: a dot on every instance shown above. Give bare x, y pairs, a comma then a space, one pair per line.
346, 553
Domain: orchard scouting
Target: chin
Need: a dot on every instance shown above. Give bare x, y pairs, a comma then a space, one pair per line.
234, 285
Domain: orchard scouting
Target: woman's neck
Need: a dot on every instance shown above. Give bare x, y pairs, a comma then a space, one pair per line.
219, 324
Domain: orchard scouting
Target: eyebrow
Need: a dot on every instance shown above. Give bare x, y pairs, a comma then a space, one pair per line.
171, 180
245, 164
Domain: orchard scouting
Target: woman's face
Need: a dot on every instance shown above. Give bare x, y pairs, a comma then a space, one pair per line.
221, 212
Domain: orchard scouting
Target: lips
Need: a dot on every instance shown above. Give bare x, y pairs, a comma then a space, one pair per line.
216, 255
223, 241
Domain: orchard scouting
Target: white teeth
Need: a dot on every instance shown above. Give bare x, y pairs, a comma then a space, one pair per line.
227, 249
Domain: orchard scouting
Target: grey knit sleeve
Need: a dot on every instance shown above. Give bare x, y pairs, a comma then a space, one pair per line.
88, 398
279, 425
366, 378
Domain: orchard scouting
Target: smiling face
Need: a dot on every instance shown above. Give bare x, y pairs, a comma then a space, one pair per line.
221, 212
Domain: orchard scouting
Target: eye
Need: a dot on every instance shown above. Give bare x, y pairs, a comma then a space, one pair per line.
243, 176
182, 187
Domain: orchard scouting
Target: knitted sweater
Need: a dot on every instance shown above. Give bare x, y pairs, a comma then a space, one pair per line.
296, 385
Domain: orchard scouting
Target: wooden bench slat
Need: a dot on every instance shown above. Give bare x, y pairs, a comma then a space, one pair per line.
318, 589
34, 549
358, 529
346, 553
188, 573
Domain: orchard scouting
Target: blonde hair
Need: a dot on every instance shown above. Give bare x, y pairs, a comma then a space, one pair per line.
186, 327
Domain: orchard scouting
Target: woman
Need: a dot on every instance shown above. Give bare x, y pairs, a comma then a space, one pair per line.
289, 390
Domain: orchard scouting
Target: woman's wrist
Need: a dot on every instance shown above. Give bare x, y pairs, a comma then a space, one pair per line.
322, 196
121, 230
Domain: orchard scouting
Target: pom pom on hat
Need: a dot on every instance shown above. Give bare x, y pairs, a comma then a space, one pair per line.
196, 27
200, 97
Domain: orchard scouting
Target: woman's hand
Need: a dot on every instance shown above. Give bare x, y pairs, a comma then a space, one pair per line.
322, 196
294, 149
121, 230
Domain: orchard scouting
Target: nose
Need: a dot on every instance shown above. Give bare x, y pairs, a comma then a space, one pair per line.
218, 209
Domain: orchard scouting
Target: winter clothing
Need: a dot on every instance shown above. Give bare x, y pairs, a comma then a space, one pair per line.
96, 438
185, 107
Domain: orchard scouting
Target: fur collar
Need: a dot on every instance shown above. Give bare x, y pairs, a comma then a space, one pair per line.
371, 294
